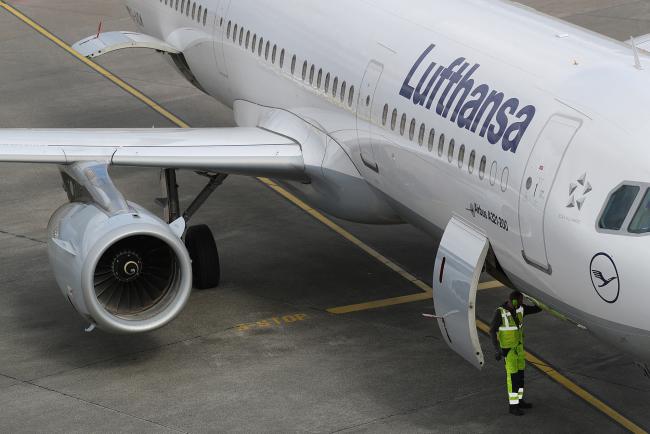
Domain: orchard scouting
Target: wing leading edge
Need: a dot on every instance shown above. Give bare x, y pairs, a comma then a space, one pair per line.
241, 151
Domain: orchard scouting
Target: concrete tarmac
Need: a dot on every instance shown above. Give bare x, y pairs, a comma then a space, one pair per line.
260, 353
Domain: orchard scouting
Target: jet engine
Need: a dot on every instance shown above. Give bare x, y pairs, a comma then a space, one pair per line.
125, 273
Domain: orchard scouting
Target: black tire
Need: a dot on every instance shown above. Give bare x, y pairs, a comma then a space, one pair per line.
206, 270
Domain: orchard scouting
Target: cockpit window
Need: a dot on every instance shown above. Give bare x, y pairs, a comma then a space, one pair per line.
641, 220
618, 207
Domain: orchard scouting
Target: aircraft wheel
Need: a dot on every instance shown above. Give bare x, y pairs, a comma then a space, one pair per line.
206, 271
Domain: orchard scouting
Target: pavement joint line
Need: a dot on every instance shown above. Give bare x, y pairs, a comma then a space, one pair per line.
537, 362
22, 237
94, 404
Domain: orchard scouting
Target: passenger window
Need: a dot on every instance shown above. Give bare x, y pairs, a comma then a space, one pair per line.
641, 221
187, 10
493, 173
241, 36
260, 48
481, 168
327, 83
412, 129
432, 138
319, 80
177, 1
343, 86
205, 16
505, 176
282, 58
618, 207
423, 131
304, 70
402, 125
461, 156
351, 96
274, 54
248, 38
234, 33
266, 50
441, 145
450, 153
193, 10
254, 44
335, 86
393, 120
293, 64
471, 162
228, 29
198, 15
384, 115
312, 72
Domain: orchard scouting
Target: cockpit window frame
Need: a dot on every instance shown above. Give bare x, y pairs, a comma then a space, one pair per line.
645, 194
623, 231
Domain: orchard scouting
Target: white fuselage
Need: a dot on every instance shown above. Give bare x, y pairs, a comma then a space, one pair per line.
566, 126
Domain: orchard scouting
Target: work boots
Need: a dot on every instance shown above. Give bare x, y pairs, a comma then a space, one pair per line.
516, 411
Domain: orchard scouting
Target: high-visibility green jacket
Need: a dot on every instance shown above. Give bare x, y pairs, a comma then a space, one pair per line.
511, 332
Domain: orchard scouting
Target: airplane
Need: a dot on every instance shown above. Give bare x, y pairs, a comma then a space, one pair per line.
518, 140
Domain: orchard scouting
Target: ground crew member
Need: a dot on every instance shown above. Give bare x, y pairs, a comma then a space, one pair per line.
507, 332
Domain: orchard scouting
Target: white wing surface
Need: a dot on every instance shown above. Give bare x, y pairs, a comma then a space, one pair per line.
243, 151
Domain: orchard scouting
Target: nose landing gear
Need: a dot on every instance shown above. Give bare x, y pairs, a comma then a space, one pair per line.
200, 243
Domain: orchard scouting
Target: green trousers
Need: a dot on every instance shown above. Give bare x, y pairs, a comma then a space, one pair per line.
515, 365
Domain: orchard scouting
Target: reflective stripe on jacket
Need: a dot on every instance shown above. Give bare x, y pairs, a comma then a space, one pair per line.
511, 332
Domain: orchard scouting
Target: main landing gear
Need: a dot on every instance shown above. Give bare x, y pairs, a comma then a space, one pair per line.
200, 243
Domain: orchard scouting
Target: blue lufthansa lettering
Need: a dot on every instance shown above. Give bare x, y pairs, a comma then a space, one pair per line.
407, 89
473, 104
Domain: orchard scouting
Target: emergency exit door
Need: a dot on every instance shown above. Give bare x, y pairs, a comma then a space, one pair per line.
365, 113
538, 180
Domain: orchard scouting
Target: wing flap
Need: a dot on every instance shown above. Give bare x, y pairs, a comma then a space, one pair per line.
244, 151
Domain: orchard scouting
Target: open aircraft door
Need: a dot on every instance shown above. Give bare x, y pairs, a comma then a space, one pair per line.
458, 267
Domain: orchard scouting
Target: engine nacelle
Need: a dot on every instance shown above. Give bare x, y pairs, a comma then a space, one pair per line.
125, 273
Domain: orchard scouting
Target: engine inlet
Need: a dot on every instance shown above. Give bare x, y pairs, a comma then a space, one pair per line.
134, 275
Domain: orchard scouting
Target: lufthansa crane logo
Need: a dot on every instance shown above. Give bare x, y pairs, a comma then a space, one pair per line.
604, 277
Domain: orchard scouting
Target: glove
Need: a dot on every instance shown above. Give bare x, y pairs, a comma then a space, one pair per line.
497, 355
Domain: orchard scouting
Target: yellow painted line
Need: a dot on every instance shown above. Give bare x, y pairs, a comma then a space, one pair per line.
543, 367
381, 303
345, 234
100, 70
394, 301
494, 284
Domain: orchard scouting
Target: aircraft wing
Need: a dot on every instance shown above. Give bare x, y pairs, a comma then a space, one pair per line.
242, 151
103, 43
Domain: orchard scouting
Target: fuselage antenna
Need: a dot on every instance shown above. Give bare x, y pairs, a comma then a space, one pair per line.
637, 59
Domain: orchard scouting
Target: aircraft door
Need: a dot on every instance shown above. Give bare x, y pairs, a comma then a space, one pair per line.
538, 180
365, 113
220, 25
457, 270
